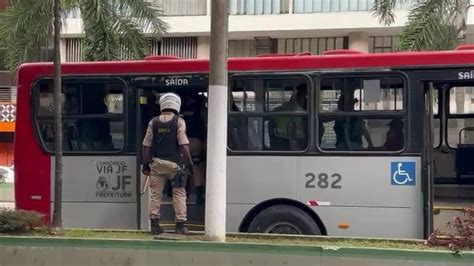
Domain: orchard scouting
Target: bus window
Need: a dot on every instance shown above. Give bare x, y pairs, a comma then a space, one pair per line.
93, 117
361, 114
242, 97
254, 122
461, 116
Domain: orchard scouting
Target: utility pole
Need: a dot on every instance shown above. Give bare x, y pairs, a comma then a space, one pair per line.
215, 219
58, 127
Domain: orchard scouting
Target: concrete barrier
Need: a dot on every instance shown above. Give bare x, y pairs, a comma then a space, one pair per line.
60, 251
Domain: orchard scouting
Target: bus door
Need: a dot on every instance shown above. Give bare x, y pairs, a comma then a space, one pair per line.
427, 157
192, 91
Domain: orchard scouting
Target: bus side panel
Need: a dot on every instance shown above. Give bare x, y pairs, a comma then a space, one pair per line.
361, 193
253, 179
235, 213
99, 192
32, 166
353, 191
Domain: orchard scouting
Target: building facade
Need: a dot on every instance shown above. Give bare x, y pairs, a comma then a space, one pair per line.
7, 109
265, 26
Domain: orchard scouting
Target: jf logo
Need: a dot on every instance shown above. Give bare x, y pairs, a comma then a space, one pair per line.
402, 173
102, 184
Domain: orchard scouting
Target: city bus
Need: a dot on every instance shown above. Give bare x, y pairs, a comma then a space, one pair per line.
344, 143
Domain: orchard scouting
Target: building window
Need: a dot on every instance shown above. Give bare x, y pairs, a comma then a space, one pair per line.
249, 48
258, 7
268, 114
74, 50
182, 47
313, 45
5, 95
93, 115
384, 44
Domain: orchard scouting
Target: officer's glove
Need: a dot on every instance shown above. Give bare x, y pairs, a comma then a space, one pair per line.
146, 169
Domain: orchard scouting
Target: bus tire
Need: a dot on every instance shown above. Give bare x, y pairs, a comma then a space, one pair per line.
284, 219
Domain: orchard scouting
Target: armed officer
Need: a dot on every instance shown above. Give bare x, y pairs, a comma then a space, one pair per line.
165, 147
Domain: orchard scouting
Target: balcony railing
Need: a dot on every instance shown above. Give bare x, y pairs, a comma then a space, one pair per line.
181, 7
265, 7
316, 6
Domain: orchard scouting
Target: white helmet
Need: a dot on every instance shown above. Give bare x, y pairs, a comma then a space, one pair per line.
170, 101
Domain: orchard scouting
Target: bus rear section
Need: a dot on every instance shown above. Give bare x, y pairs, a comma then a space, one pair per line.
345, 159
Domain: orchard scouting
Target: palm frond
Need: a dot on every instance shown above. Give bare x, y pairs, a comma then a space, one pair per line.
431, 26
25, 25
100, 41
116, 27
144, 14
383, 9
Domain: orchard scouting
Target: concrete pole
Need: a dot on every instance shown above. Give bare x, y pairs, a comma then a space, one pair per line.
58, 125
215, 218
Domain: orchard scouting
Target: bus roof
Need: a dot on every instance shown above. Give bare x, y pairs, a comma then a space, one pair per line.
344, 59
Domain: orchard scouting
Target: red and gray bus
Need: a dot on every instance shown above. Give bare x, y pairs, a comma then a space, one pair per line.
344, 143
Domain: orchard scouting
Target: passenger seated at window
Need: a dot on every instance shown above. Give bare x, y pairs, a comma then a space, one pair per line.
395, 139
289, 132
350, 129
236, 136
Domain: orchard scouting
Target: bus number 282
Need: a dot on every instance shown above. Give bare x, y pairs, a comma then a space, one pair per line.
323, 181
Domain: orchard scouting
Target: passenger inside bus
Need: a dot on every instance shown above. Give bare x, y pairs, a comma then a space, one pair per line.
289, 133
234, 134
395, 139
194, 112
350, 129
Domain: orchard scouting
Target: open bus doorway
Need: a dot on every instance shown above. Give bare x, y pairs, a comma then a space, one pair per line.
453, 139
452, 149
192, 90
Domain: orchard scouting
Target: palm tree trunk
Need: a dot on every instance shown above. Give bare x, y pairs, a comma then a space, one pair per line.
57, 221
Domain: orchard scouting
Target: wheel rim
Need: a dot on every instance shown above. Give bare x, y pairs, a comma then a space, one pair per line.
286, 228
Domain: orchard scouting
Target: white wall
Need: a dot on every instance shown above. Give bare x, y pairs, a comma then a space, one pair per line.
275, 26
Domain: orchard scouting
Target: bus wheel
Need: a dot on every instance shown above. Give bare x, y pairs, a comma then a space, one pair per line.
284, 219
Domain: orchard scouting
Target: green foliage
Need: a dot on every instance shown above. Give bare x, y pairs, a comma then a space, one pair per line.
432, 24
113, 29
18, 221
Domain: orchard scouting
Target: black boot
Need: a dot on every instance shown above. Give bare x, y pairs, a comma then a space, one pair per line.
155, 227
181, 228
199, 195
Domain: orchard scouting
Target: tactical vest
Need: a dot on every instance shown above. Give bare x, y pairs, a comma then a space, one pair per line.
165, 141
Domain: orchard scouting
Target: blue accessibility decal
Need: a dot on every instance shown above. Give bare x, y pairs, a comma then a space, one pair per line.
402, 173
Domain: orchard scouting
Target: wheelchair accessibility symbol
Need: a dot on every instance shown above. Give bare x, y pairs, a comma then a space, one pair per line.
403, 173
